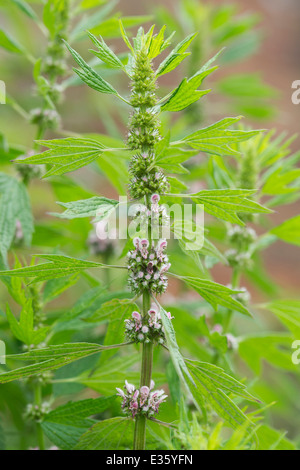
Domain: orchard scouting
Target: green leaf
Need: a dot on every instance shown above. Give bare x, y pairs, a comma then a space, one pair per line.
116, 312
24, 330
26, 8
217, 139
105, 53
275, 348
158, 44
227, 203
215, 293
14, 209
287, 311
289, 231
125, 37
110, 374
110, 434
176, 56
212, 386
65, 425
10, 44
187, 92
89, 76
66, 154
58, 266
98, 207
53, 358
175, 354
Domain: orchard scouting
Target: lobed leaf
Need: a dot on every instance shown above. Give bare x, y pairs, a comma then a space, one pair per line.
66, 155
217, 139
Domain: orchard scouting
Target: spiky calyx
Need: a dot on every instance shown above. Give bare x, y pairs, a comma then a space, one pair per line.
145, 181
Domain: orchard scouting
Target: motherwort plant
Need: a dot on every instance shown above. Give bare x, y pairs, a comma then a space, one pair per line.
153, 159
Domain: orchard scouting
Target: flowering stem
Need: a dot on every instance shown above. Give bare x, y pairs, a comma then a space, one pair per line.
146, 373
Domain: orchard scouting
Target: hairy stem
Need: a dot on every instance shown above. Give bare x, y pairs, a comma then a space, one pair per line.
146, 374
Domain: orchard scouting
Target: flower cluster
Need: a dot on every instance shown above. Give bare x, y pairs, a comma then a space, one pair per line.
147, 266
156, 217
147, 329
239, 259
141, 402
241, 237
146, 177
47, 118
26, 171
36, 412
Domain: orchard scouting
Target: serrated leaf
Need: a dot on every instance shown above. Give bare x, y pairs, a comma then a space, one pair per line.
176, 56
217, 139
226, 204
110, 434
105, 53
187, 92
208, 390
66, 154
89, 76
98, 207
52, 357
215, 294
58, 266
65, 425
177, 359
14, 209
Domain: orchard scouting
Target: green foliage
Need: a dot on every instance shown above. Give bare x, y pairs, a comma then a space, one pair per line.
69, 318
66, 155
15, 209
58, 266
217, 139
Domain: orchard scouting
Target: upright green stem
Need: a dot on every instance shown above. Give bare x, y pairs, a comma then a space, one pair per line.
146, 374
39, 429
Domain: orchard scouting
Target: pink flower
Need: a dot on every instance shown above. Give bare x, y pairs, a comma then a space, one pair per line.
155, 198
136, 316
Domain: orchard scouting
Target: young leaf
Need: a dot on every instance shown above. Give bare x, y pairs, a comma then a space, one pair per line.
98, 207
58, 266
187, 92
89, 76
105, 53
176, 56
66, 154
217, 139
24, 330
